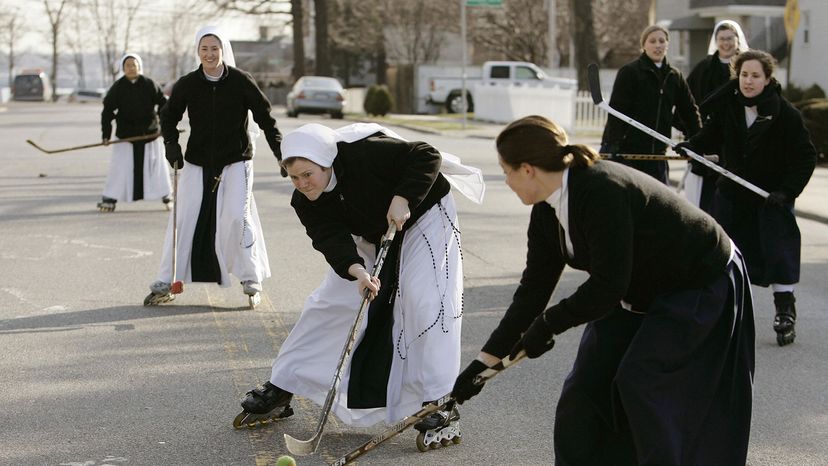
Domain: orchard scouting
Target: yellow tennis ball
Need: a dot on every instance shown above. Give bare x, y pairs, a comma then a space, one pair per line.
285, 461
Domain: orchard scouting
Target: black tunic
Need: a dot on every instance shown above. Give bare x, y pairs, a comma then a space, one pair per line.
775, 154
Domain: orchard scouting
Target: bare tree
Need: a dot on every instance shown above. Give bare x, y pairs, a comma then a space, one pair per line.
55, 15
517, 31
13, 28
76, 40
320, 22
113, 21
618, 24
356, 37
419, 28
293, 8
583, 34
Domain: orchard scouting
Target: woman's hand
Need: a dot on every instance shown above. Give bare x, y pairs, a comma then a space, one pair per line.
398, 211
365, 281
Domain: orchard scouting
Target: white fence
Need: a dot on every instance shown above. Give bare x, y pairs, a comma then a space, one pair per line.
588, 116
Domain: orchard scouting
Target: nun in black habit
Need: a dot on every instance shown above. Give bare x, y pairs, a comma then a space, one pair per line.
664, 371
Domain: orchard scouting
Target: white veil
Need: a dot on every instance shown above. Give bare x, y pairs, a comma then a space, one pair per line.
743, 44
137, 59
229, 59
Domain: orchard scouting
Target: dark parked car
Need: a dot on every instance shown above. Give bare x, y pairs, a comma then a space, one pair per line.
316, 94
32, 85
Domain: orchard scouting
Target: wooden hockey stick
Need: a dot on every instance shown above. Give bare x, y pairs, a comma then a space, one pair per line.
595, 88
145, 137
306, 447
409, 421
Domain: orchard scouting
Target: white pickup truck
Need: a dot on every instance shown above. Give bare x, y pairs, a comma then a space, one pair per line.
445, 88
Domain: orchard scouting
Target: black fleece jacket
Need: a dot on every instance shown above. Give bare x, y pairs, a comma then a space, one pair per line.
133, 106
647, 94
218, 117
634, 236
369, 173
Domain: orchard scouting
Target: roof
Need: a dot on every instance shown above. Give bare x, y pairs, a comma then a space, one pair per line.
691, 23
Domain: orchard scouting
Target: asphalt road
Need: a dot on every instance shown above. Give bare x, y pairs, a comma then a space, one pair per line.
92, 377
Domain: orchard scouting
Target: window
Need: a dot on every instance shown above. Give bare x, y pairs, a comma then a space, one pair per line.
524, 72
500, 72
806, 27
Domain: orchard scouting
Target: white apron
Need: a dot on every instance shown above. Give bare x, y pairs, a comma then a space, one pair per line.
156, 172
240, 246
426, 331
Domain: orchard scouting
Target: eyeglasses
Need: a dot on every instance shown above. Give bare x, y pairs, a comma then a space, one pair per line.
726, 39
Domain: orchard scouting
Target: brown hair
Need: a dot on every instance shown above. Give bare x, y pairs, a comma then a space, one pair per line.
726, 27
540, 142
764, 58
651, 29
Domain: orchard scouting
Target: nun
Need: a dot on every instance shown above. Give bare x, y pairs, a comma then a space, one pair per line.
137, 170
218, 227
664, 371
726, 43
351, 184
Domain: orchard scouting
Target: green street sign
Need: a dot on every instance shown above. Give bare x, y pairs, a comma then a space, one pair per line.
484, 3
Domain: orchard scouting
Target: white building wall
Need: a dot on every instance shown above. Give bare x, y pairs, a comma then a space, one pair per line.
808, 65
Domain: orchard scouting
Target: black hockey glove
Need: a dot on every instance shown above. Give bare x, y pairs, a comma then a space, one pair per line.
609, 151
174, 155
464, 386
777, 199
681, 149
536, 340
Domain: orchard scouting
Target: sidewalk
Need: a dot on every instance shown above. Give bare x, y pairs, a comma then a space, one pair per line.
810, 205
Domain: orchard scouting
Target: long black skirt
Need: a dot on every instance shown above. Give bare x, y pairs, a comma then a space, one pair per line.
767, 235
670, 387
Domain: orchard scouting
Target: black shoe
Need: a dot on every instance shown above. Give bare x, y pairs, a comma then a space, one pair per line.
785, 319
265, 399
438, 419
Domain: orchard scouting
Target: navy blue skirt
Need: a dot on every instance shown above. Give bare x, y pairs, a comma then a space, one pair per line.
767, 235
672, 386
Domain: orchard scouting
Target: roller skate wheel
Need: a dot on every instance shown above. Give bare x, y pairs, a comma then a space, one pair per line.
421, 442
457, 439
445, 442
237, 422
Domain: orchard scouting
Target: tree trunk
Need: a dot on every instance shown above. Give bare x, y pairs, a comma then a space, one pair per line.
586, 49
323, 61
381, 65
298, 39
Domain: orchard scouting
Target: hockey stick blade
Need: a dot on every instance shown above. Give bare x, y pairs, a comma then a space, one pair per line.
594, 83
307, 447
409, 421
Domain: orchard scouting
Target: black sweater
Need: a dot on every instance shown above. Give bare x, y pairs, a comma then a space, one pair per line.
133, 106
218, 117
635, 238
775, 153
647, 94
369, 173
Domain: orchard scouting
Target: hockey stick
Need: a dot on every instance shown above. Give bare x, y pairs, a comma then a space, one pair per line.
177, 286
713, 158
306, 447
595, 88
409, 421
146, 137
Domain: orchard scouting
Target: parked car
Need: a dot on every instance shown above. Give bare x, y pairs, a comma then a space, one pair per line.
445, 88
86, 95
32, 85
316, 94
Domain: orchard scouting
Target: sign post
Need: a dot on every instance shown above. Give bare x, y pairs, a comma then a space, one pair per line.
791, 25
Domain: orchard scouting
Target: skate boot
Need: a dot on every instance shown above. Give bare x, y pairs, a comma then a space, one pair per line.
263, 405
167, 200
253, 290
783, 323
107, 204
440, 428
160, 293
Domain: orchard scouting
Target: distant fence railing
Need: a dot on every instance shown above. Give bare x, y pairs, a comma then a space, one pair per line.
588, 116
